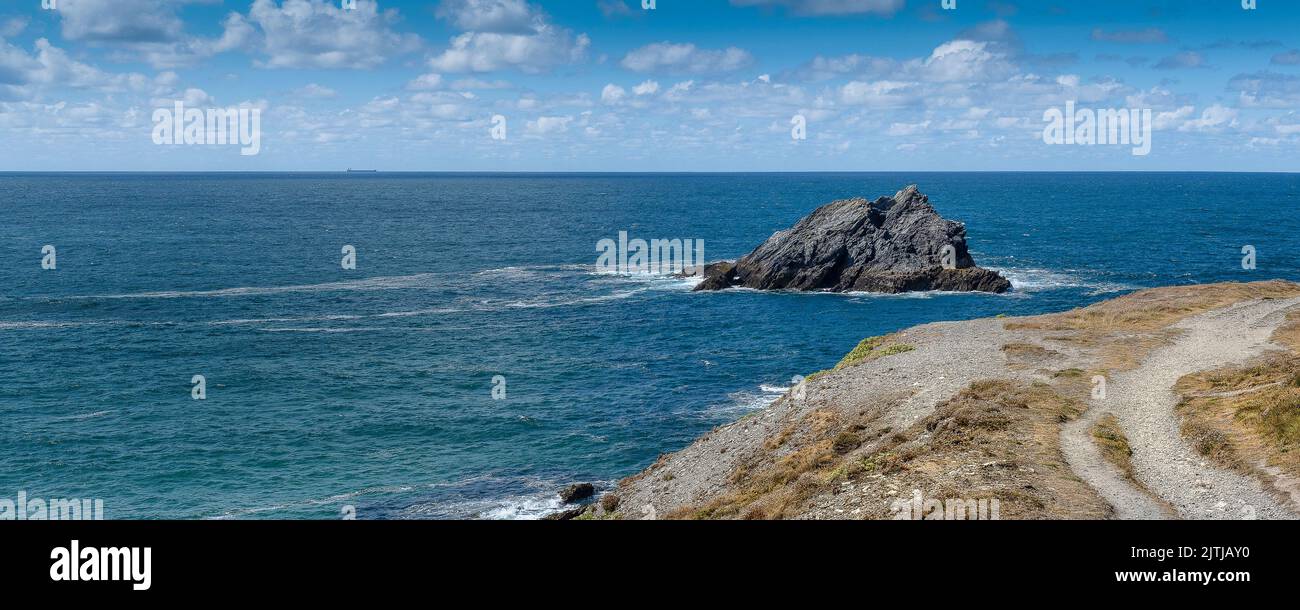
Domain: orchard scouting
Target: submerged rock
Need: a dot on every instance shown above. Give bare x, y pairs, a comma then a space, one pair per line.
893, 244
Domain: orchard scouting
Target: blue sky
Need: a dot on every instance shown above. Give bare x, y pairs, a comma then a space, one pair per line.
605, 85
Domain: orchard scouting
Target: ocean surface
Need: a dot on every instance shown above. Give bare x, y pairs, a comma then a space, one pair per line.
373, 388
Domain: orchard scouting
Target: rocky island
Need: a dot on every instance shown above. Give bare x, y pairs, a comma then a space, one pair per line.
893, 244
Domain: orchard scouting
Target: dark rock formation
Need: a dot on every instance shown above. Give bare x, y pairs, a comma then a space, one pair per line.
574, 493
893, 244
566, 515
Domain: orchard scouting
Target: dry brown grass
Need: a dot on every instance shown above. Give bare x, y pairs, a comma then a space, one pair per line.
996, 439
1150, 310
775, 484
1245, 417
1123, 331
1012, 432
1027, 355
1248, 417
1110, 438
1074, 383
1288, 335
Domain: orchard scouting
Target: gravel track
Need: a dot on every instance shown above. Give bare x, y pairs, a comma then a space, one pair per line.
1086, 460
1143, 399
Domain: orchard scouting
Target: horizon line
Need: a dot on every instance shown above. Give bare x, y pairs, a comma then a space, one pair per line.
645, 173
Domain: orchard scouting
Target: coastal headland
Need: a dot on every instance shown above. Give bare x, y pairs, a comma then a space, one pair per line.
1176, 402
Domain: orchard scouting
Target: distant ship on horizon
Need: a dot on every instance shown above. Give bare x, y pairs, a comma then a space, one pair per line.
362, 171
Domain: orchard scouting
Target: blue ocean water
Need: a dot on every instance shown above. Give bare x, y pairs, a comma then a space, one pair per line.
372, 387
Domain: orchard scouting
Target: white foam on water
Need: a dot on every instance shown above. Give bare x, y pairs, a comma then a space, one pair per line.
518, 271
371, 329
1030, 279
83, 416
418, 312
339, 499
530, 506
240, 322
41, 324
526, 508
747, 401
545, 304
373, 283
658, 281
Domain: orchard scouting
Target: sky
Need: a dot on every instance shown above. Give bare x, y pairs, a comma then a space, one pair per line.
688, 85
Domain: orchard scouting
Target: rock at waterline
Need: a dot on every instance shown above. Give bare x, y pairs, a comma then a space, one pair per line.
566, 515
579, 491
893, 244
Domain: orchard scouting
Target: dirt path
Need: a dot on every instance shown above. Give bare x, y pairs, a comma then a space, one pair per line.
1086, 460
1143, 399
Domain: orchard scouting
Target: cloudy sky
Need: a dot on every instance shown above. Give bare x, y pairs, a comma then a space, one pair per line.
693, 85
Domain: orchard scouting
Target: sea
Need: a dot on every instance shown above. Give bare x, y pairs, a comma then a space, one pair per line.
196, 346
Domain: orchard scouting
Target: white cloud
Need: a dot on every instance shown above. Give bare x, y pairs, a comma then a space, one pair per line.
1287, 128
962, 60
862, 66
443, 106
549, 125
679, 90
685, 58
308, 34
1267, 89
501, 16
505, 34
192, 97
13, 26
829, 7
1010, 122
612, 94
1172, 118
1155, 97
1214, 118
647, 88
466, 84
425, 82
614, 8
23, 76
314, 90
120, 21
1147, 36
907, 129
488, 52
878, 94
149, 30
959, 60
1184, 59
